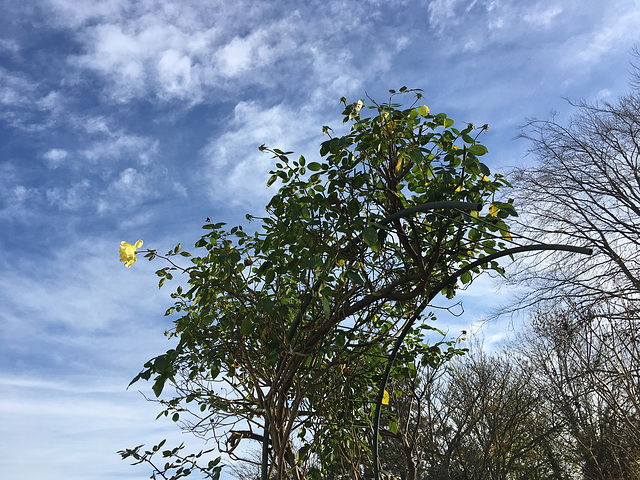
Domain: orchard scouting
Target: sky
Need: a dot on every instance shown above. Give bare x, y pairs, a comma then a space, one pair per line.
126, 120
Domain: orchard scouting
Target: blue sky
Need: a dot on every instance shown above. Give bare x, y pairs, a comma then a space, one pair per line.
122, 120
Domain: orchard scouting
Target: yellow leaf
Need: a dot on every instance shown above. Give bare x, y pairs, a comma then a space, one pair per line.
493, 210
474, 213
399, 165
340, 262
128, 252
507, 236
385, 398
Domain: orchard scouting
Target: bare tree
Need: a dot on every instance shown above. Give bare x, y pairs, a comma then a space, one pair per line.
584, 188
477, 418
586, 364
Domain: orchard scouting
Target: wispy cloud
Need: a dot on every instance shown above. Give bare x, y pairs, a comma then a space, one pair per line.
25, 104
16, 198
233, 166
162, 55
542, 17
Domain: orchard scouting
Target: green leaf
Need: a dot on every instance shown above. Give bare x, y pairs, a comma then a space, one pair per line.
355, 277
478, 150
267, 306
268, 278
326, 308
314, 166
246, 327
475, 235
272, 180
468, 139
416, 156
158, 386
393, 426
370, 237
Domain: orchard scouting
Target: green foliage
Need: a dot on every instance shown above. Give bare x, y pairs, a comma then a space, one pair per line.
292, 322
177, 465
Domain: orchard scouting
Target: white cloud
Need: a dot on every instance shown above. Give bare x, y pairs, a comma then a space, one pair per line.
128, 190
9, 46
70, 198
234, 166
55, 157
604, 94
74, 13
80, 420
17, 201
175, 73
92, 124
121, 146
442, 12
612, 30
196, 53
68, 300
26, 105
542, 17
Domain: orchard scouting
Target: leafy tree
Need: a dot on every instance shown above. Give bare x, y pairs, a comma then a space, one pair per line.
283, 331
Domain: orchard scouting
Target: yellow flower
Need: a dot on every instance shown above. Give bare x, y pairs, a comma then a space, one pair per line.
128, 252
385, 398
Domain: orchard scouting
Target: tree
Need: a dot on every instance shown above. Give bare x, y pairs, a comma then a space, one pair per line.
584, 188
478, 417
283, 333
502, 432
416, 423
586, 363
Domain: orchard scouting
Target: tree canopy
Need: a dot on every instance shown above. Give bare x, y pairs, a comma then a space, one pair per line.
283, 328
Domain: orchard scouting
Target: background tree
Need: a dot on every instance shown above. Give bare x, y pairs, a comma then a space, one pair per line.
586, 363
283, 333
478, 417
416, 415
584, 188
